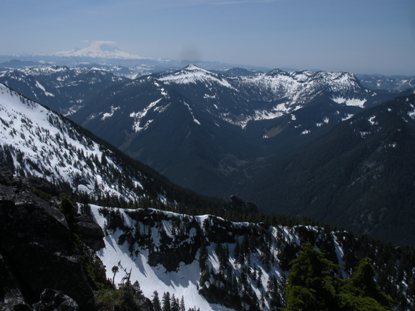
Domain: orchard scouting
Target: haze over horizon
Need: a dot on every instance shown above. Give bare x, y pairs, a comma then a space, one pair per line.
373, 36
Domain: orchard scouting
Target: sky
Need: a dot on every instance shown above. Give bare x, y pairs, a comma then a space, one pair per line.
363, 36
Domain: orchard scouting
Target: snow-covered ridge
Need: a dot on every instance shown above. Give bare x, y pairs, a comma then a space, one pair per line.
191, 256
41, 70
39, 142
234, 99
192, 75
162, 226
55, 69
264, 96
63, 89
290, 91
299, 87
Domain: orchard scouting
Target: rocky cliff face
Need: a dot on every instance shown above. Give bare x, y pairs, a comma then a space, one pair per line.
38, 249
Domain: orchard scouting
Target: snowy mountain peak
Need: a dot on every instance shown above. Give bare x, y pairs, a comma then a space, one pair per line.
276, 71
193, 74
343, 77
100, 49
192, 67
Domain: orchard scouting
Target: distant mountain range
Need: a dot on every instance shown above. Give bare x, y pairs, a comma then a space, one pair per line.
389, 83
270, 138
61, 88
100, 49
193, 122
106, 53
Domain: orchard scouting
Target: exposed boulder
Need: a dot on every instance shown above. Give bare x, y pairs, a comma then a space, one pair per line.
53, 300
90, 233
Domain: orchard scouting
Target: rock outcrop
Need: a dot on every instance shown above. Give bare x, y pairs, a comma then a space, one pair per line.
51, 299
37, 250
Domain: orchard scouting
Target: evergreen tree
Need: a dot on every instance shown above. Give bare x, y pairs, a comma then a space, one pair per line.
114, 270
174, 304
137, 288
166, 302
273, 293
156, 301
361, 292
237, 252
182, 306
311, 283
203, 256
204, 271
222, 257
104, 161
259, 280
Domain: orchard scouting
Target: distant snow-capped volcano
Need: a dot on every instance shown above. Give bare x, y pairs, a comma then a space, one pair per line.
100, 49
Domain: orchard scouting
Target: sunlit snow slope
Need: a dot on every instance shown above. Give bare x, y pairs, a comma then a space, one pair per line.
245, 265
41, 143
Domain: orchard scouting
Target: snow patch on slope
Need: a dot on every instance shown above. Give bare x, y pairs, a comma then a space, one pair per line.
347, 117
411, 113
40, 86
139, 115
191, 113
355, 102
372, 120
73, 109
107, 115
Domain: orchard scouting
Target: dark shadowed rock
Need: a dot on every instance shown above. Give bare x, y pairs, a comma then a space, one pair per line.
11, 298
90, 233
36, 243
53, 300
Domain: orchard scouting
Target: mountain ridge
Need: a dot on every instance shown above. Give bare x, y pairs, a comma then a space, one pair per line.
199, 111
192, 123
95, 154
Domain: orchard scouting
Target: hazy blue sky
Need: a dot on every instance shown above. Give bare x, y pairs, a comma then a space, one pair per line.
354, 35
